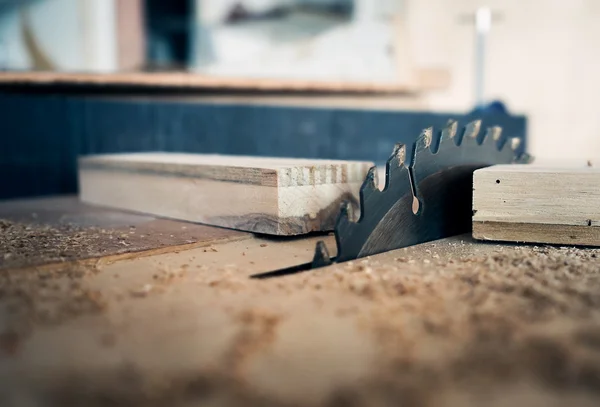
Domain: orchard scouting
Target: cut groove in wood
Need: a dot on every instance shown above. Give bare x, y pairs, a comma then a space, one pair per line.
538, 204
278, 196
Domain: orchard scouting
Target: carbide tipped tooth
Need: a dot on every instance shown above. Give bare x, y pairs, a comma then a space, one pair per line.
502, 141
396, 160
472, 130
398, 156
321, 257
515, 142
450, 130
372, 179
344, 217
492, 135
496, 132
422, 143
426, 138
447, 133
369, 187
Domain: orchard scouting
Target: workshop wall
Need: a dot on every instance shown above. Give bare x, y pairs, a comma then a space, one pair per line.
543, 60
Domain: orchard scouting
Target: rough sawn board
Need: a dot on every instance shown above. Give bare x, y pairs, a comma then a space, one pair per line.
278, 196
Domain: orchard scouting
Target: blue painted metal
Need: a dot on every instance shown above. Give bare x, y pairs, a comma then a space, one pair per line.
42, 135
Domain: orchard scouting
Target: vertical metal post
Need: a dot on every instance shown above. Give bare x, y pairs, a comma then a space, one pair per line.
483, 25
483, 18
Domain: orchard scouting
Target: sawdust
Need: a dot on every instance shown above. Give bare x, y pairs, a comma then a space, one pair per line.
449, 327
43, 298
257, 333
26, 244
524, 318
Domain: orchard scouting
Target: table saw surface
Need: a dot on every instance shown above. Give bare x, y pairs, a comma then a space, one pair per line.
93, 314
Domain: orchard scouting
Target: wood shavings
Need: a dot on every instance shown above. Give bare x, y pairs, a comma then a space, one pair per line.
21, 243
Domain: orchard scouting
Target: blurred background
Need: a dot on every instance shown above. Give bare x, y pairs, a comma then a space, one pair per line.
541, 57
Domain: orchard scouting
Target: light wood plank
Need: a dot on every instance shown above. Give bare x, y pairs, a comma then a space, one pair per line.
427, 79
537, 203
278, 196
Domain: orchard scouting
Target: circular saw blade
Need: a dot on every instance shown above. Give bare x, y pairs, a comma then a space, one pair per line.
426, 199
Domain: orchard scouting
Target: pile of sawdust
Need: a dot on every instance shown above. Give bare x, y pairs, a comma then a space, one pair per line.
26, 244
518, 326
527, 321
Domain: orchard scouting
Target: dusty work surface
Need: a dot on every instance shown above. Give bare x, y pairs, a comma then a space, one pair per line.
37, 232
450, 323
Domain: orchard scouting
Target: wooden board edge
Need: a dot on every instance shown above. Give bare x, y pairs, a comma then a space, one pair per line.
194, 81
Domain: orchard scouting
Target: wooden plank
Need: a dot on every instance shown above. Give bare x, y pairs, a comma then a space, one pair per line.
537, 203
327, 101
264, 195
47, 231
428, 79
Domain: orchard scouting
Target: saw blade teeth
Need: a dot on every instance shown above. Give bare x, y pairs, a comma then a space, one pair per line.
472, 130
372, 179
321, 257
502, 141
468, 133
396, 160
344, 216
492, 136
449, 132
515, 143
398, 156
422, 143
446, 134
496, 133
426, 138
369, 187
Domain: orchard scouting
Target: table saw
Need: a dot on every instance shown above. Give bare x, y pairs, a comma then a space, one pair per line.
129, 306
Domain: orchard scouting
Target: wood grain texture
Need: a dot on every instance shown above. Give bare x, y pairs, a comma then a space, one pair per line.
428, 79
537, 203
263, 195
